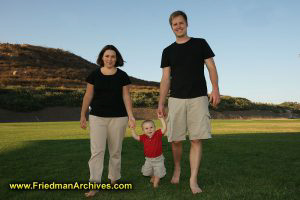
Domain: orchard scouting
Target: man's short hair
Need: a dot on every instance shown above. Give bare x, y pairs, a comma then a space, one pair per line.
176, 14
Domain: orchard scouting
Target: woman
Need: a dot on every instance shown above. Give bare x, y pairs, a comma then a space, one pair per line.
107, 94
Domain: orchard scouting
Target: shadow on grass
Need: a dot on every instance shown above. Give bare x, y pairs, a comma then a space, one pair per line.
233, 166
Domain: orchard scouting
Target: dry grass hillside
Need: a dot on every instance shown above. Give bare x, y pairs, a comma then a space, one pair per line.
34, 78
29, 65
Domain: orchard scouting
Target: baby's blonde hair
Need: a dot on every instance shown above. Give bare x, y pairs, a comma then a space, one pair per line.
147, 121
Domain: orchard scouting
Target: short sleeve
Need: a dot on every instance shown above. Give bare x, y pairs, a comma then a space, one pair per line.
125, 79
159, 132
207, 52
91, 78
142, 138
164, 59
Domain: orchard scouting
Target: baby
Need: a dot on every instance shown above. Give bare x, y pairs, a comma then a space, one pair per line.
152, 140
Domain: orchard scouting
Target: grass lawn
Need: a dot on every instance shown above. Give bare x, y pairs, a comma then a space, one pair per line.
246, 159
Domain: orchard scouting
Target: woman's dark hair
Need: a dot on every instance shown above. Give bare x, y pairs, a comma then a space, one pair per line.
119, 61
176, 14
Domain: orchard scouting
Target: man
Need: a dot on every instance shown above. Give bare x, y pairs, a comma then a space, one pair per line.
183, 74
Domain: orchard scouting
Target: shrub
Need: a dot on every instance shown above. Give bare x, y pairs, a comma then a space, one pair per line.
30, 99
25, 99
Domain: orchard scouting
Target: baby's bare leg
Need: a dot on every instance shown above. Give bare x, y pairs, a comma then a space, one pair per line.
155, 181
152, 179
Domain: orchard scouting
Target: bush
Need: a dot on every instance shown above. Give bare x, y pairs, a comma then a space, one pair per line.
293, 106
25, 99
230, 103
145, 98
31, 99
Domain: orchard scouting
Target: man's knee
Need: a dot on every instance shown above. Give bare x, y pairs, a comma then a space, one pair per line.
196, 142
176, 142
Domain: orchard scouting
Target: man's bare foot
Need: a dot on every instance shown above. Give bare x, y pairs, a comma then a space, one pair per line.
176, 176
91, 193
113, 182
152, 179
196, 190
195, 187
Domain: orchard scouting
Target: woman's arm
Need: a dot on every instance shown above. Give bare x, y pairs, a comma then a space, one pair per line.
88, 96
128, 106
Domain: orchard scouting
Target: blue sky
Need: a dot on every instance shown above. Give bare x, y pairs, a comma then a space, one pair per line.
256, 42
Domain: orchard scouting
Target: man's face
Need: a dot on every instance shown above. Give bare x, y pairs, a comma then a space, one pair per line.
179, 26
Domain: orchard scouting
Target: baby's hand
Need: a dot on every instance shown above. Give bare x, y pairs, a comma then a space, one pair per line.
161, 118
159, 115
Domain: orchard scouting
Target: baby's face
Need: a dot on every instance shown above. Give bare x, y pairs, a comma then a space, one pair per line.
149, 128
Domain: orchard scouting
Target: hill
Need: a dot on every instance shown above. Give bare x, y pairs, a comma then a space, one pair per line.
33, 78
29, 65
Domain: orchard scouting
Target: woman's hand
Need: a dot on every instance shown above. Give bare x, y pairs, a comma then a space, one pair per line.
131, 122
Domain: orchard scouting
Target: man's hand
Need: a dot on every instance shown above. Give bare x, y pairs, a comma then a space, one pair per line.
214, 98
83, 122
161, 111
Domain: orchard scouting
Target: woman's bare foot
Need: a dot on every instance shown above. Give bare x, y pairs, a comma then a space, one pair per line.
91, 193
195, 187
176, 176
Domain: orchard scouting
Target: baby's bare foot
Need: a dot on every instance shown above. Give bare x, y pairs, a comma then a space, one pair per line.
152, 179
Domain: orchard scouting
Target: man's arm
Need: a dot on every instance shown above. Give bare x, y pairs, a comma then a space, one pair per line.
163, 91
163, 123
212, 69
134, 135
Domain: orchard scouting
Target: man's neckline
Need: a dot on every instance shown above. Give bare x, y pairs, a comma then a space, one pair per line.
189, 39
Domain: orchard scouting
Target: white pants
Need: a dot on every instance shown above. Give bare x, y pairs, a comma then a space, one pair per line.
113, 130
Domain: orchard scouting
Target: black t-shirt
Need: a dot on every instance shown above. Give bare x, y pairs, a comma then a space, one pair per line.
108, 89
187, 67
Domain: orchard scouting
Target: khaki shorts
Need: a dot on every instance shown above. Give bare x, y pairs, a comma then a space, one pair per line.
188, 116
154, 167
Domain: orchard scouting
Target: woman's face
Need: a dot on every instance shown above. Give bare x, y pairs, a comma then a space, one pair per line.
109, 58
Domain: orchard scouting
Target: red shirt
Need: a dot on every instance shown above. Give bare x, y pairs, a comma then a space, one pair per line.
153, 145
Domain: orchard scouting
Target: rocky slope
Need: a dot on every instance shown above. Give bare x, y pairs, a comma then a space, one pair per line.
29, 65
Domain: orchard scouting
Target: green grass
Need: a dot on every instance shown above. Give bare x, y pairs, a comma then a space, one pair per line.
246, 159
